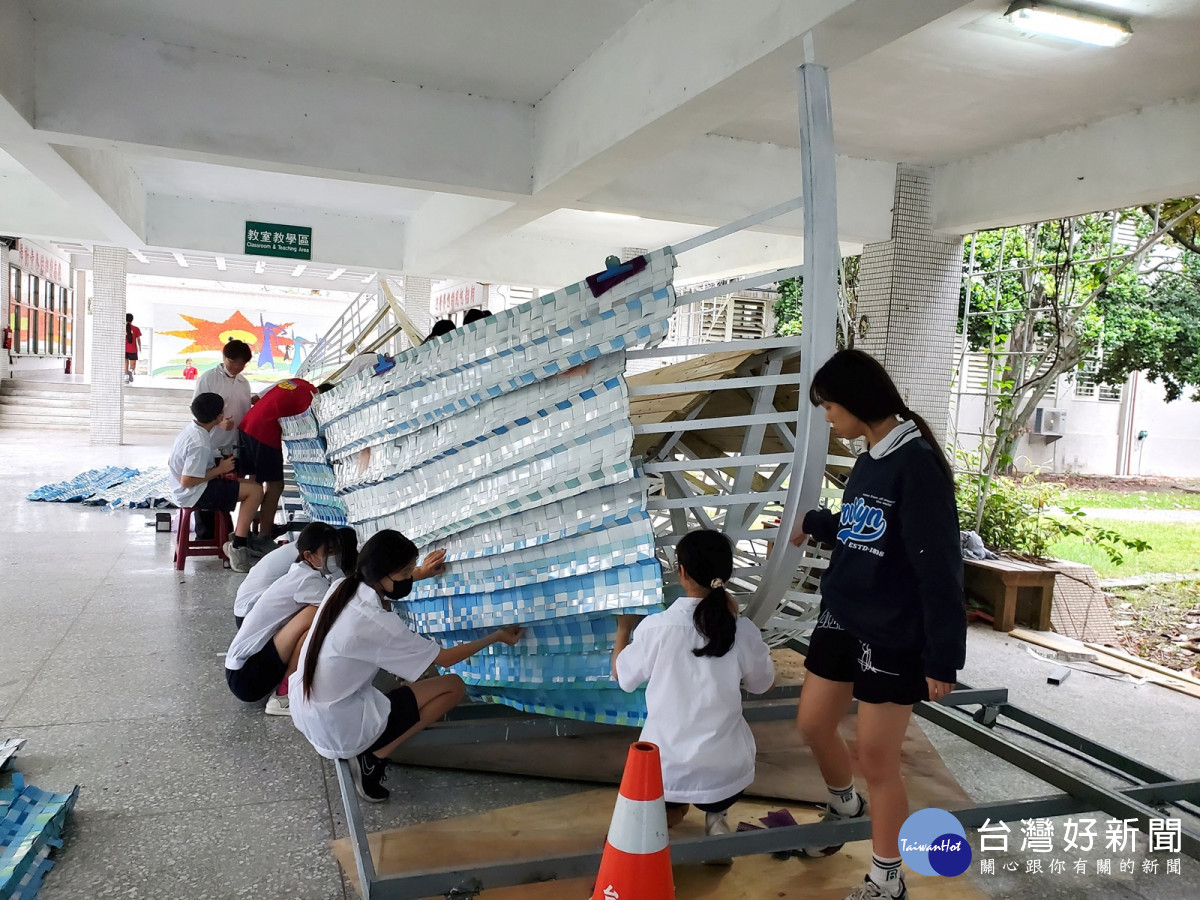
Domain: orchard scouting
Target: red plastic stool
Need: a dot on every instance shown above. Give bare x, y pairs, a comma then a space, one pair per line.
186, 545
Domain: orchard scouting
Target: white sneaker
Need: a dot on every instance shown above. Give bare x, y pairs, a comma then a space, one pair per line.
869, 890
278, 706
716, 824
239, 557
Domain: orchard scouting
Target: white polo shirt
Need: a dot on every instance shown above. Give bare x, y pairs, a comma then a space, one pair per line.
300, 586
345, 714
191, 454
235, 390
694, 703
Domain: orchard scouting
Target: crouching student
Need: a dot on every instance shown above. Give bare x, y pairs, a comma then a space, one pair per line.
266, 649
696, 656
355, 634
275, 564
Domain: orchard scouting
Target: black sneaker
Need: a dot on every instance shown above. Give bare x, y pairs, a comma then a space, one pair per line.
369, 773
830, 814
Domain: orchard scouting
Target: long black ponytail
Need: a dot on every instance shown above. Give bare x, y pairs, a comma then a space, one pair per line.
859, 382
384, 553
707, 557
129, 328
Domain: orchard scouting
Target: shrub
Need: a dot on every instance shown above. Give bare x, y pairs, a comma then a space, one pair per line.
1024, 517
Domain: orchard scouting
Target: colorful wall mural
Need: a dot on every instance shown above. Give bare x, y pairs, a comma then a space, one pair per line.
278, 343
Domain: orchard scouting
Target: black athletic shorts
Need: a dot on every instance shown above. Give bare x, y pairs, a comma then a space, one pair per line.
220, 495
403, 716
260, 675
879, 674
132, 356
718, 807
259, 461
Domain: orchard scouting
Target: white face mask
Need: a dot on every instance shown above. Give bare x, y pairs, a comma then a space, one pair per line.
332, 568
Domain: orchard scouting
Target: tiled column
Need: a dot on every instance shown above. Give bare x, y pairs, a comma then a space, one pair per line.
108, 343
418, 294
4, 367
79, 339
909, 296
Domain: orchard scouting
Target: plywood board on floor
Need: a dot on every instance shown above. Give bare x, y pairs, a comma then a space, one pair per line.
785, 768
580, 822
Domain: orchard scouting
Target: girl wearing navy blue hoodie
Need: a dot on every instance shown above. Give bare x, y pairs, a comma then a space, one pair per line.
893, 625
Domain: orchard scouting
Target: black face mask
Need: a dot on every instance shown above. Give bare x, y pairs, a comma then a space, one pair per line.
400, 589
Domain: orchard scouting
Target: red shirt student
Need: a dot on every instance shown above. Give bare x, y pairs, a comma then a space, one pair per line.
260, 445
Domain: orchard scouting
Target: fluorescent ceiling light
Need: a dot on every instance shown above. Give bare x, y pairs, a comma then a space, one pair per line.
179, 259
336, 273
260, 267
221, 263
1035, 17
299, 270
140, 257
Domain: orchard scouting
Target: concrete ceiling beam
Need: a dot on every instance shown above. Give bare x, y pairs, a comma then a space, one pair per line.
677, 71
206, 105
1127, 160
716, 180
208, 226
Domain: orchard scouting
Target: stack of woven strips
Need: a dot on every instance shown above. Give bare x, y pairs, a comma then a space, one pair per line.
31, 825
507, 444
84, 485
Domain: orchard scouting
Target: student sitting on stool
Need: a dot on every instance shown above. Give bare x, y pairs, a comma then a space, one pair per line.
198, 485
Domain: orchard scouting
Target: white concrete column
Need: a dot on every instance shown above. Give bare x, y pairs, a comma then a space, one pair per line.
5, 369
909, 296
108, 344
418, 297
79, 340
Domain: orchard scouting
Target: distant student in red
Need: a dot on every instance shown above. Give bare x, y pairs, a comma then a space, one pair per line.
189, 371
133, 344
260, 441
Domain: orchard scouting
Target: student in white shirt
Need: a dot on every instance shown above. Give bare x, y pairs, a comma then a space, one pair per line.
197, 483
696, 656
266, 648
227, 380
355, 634
275, 564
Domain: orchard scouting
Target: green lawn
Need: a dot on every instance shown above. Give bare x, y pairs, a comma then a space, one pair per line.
1132, 500
1176, 548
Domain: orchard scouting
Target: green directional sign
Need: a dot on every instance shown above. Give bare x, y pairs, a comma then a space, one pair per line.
289, 241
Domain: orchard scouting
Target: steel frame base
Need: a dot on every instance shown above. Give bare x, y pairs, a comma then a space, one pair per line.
962, 713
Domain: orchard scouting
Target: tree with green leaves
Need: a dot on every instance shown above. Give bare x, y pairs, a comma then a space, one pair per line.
1045, 297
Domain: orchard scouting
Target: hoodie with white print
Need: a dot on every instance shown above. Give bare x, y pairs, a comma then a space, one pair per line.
896, 576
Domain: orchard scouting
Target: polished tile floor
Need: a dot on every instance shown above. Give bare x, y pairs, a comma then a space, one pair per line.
110, 667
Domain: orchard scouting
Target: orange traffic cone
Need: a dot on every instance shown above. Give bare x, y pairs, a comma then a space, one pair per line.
637, 860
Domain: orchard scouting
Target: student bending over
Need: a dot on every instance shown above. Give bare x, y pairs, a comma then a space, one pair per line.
266, 648
356, 633
696, 656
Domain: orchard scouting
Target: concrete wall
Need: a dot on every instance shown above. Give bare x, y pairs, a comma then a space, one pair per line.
1092, 434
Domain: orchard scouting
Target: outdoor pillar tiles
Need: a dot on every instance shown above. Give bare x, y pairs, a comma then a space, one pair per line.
5, 369
909, 295
418, 294
108, 344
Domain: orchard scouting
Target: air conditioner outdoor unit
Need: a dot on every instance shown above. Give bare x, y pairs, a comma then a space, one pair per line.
1049, 423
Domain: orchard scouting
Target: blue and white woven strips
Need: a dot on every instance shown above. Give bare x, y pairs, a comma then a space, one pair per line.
507, 444
31, 825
